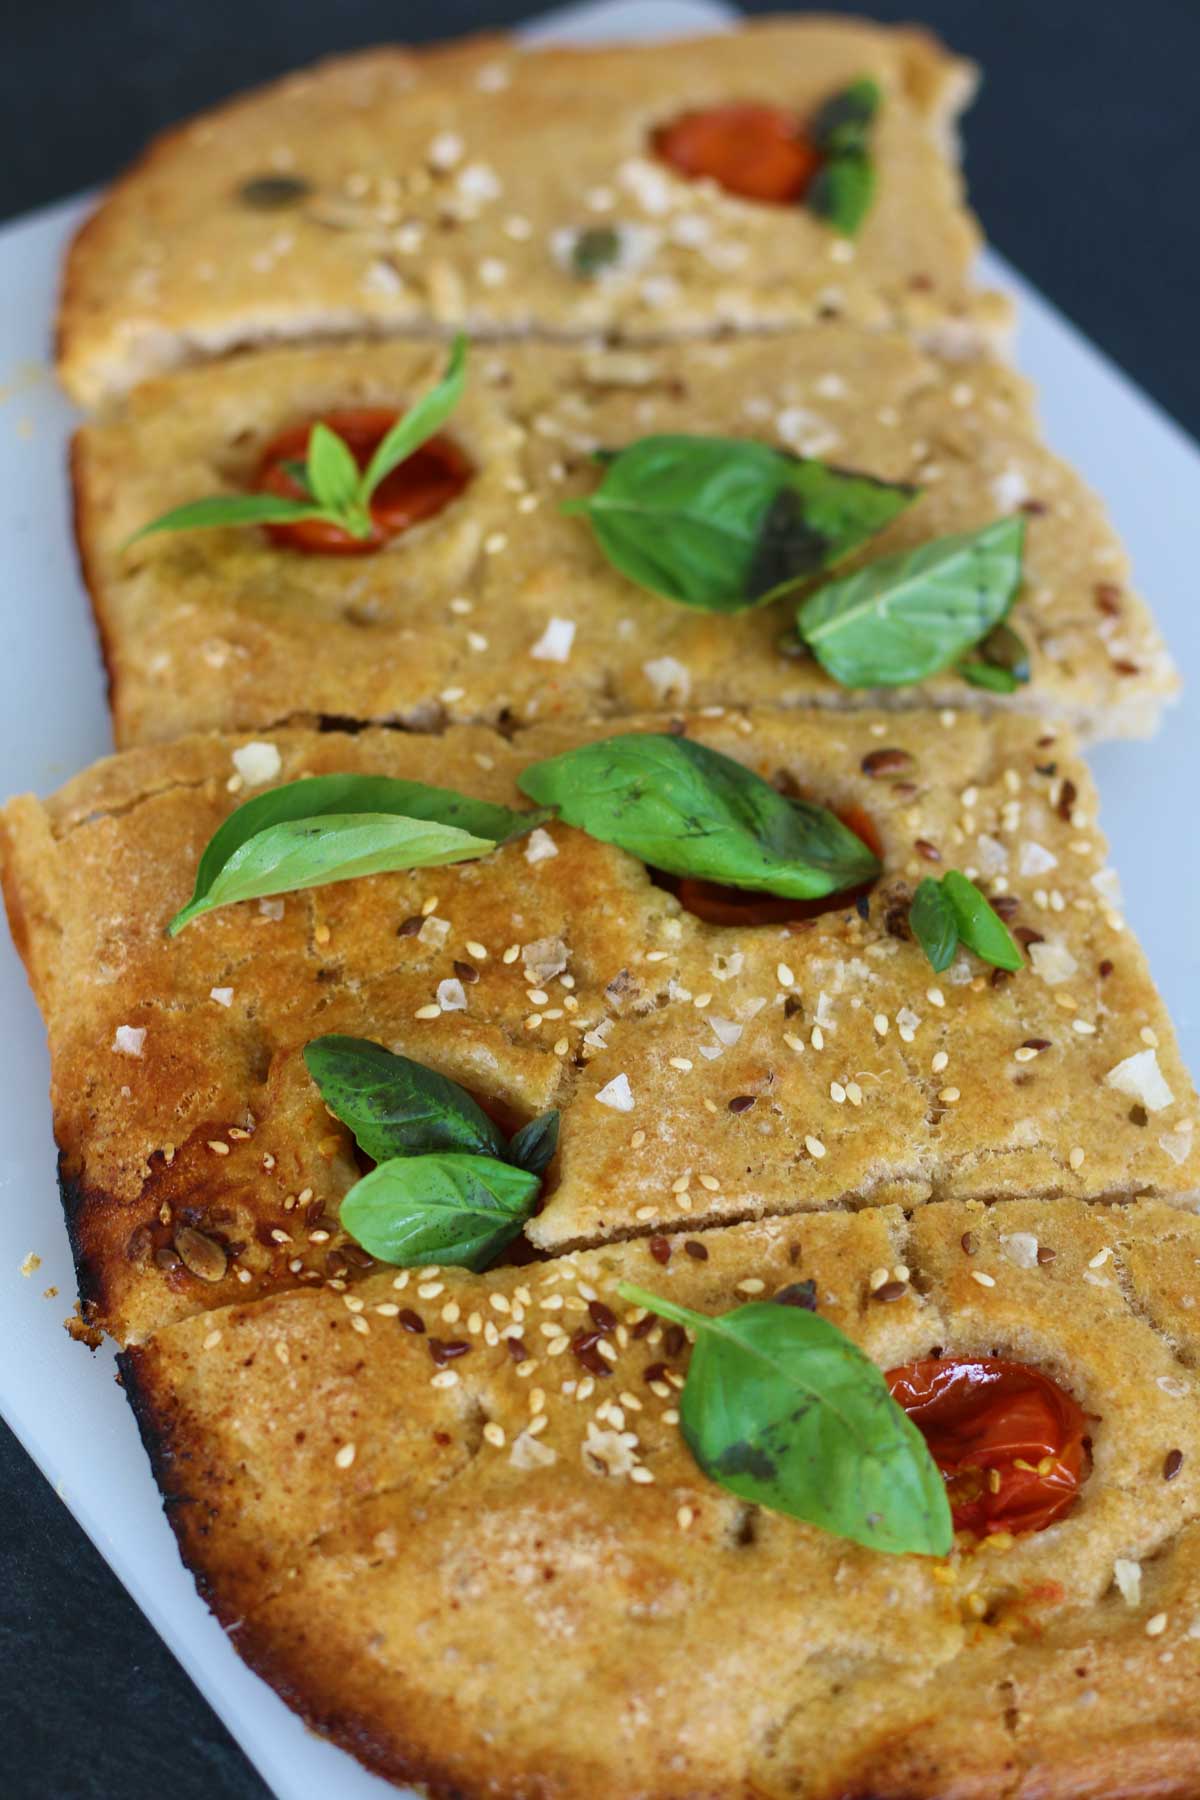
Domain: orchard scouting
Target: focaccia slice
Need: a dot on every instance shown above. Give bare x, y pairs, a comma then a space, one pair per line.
472, 1570
395, 191
501, 608
705, 1073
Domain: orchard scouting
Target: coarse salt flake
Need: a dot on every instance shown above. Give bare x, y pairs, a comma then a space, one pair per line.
128, 1039
540, 846
222, 995
554, 645
669, 678
257, 763
617, 1093
452, 996
1140, 1076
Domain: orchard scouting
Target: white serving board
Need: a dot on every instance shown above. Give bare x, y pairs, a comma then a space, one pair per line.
63, 1403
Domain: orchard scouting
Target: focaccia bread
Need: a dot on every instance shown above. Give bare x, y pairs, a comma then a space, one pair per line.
705, 1073
502, 608
401, 191
502, 1575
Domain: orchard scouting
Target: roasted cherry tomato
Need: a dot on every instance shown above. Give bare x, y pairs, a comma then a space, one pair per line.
1008, 1440
417, 488
758, 152
718, 905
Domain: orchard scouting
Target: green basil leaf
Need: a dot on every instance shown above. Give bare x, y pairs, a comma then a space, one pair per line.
782, 1409
934, 923
985, 675
1001, 661
394, 1106
305, 853
230, 509
843, 123
980, 928
595, 249
908, 616
331, 472
322, 798
689, 810
419, 423
452, 1210
842, 190
534, 1145
726, 523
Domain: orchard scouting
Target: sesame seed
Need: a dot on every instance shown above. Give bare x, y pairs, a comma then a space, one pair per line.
475, 949
983, 1280
681, 1063
1076, 1157
814, 1146
854, 1093
637, 1140
751, 1285
432, 1011
429, 1290
684, 1517
876, 1279
345, 1456
1024, 1053
939, 1062
949, 1095
512, 953
494, 1434
784, 976
880, 1022
217, 1147
1101, 1257
211, 1340
837, 1093
445, 1378
1157, 1625
935, 996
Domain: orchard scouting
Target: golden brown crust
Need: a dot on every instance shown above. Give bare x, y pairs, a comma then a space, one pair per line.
224, 630
454, 1605
872, 1081
402, 148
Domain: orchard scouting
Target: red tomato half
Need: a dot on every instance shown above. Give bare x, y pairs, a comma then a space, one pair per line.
418, 488
1007, 1438
758, 152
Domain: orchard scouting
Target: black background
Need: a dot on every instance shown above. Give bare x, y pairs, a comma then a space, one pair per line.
1083, 154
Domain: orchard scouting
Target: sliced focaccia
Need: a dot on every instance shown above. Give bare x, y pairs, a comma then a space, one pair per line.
469, 1548
501, 607
518, 191
706, 1069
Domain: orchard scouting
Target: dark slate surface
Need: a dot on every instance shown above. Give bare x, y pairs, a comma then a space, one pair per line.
1084, 161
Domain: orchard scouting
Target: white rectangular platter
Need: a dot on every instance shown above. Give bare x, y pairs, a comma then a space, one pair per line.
63, 1403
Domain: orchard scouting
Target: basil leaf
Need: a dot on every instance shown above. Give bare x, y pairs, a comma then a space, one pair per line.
304, 853
780, 1408
844, 121
323, 798
842, 192
534, 1145
331, 472
691, 811
934, 924
844, 187
419, 423
726, 523
452, 1210
394, 1106
984, 675
980, 929
908, 616
230, 509
1003, 661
